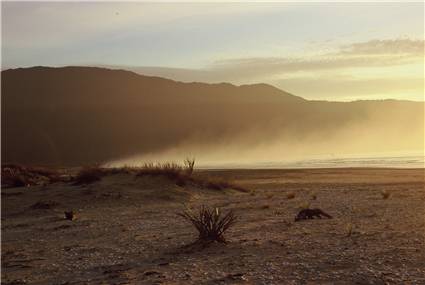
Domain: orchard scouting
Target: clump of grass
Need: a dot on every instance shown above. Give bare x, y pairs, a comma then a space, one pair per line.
385, 194
171, 170
189, 164
89, 175
182, 175
313, 196
94, 173
290, 195
14, 175
210, 223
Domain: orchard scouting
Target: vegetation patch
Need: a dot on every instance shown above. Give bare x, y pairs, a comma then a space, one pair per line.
210, 223
14, 175
89, 175
181, 174
184, 175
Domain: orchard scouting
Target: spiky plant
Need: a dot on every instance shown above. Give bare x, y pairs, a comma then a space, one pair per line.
210, 223
189, 163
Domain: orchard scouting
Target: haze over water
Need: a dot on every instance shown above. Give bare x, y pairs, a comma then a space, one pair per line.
408, 161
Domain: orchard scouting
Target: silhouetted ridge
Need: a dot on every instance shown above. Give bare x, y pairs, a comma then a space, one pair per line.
79, 115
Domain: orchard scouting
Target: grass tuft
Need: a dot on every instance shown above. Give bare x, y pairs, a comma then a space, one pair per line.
210, 223
189, 164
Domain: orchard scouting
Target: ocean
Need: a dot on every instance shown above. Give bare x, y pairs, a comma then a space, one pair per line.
394, 161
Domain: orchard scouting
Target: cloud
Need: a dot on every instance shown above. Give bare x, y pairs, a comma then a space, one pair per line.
374, 53
371, 69
385, 47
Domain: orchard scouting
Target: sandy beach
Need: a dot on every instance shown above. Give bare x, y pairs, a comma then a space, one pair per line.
127, 230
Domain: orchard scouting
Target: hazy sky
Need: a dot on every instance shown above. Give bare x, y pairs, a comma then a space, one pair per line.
334, 51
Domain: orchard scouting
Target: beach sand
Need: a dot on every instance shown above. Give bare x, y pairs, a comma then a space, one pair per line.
127, 230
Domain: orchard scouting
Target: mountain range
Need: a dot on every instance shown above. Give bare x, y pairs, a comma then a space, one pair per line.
82, 115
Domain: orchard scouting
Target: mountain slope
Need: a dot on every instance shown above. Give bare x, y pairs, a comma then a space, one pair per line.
80, 115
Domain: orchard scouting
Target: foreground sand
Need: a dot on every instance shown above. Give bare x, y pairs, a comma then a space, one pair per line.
127, 231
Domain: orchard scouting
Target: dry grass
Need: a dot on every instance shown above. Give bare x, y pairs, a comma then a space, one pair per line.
14, 175
169, 169
210, 223
89, 175
189, 164
182, 175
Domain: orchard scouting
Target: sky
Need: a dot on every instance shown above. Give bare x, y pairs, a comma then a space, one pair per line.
319, 51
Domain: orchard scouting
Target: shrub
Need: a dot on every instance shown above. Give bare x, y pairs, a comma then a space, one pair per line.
14, 175
89, 175
210, 223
